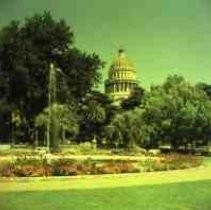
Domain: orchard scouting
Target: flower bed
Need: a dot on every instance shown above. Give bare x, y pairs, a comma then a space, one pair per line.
171, 162
33, 167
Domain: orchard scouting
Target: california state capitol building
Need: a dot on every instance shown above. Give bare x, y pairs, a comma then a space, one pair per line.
122, 78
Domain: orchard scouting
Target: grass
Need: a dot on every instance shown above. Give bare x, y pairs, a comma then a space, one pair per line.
171, 190
174, 196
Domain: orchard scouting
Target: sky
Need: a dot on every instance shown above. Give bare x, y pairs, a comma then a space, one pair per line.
161, 37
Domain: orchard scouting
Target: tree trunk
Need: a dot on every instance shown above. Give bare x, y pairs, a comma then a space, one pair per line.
63, 136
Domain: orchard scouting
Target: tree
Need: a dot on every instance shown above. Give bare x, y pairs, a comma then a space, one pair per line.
127, 130
93, 116
16, 123
206, 88
177, 112
5, 121
66, 122
97, 111
134, 100
27, 49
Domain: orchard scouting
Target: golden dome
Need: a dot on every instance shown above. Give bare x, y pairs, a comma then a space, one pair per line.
122, 68
121, 62
121, 78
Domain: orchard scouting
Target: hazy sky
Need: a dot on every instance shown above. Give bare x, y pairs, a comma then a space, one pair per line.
162, 37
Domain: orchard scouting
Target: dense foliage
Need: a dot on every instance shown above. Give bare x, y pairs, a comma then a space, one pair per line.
96, 111
178, 113
175, 113
135, 99
26, 52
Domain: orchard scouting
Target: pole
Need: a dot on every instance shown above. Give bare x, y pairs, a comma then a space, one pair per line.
49, 105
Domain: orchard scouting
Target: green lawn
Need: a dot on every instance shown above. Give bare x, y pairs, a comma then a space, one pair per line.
172, 190
175, 196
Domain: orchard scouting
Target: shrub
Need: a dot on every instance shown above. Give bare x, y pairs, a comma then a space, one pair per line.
170, 162
178, 161
117, 167
69, 167
24, 167
28, 166
8, 169
146, 165
64, 167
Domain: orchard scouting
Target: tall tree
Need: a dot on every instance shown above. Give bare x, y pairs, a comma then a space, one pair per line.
127, 130
97, 111
66, 121
26, 51
177, 112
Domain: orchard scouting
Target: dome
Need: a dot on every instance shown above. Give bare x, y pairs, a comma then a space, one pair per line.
122, 68
121, 78
121, 62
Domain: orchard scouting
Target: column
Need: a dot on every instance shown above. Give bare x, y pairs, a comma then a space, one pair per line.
125, 86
